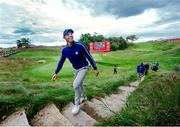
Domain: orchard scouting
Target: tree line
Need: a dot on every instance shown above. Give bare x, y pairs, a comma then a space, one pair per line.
117, 43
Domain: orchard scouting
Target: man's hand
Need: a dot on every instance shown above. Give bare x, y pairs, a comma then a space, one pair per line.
54, 77
96, 72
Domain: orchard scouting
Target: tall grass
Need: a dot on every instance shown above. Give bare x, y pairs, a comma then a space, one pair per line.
155, 102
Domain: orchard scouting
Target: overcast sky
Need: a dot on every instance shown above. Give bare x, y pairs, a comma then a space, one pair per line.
43, 21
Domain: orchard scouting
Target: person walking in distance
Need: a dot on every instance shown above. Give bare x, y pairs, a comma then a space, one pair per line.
115, 69
140, 71
77, 53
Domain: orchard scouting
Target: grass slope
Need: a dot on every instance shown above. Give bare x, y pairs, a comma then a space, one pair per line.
25, 78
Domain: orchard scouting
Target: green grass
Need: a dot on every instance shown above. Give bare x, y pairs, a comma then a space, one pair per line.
155, 102
26, 82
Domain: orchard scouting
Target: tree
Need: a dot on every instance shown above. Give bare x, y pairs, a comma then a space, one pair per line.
23, 42
19, 44
131, 38
113, 47
116, 42
86, 39
122, 43
99, 38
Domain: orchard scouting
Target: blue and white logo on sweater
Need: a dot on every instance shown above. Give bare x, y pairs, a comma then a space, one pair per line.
76, 53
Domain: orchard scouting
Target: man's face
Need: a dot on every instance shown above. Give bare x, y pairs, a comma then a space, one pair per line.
69, 37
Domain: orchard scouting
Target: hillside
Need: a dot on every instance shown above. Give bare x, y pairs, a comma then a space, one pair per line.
25, 78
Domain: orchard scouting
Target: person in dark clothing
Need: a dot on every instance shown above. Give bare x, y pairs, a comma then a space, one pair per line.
78, 55
155, 67
146, 66
115, 69
140, 71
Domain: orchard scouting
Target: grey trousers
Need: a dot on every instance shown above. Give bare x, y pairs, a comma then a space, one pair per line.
79, 76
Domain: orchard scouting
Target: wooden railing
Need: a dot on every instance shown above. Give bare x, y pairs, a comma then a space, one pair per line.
8, 53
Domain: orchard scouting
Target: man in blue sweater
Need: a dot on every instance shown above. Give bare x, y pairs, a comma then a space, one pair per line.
77, 53
140, 71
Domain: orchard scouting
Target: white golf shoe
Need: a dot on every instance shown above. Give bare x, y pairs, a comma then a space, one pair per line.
82, 99
75, 109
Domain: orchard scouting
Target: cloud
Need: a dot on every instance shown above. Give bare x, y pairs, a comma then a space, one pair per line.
23, 31
156, 18
43, 21
120, 8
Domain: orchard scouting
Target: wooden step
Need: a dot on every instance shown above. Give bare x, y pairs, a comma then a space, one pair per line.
80, 119
50, 116
97, 109
16, 119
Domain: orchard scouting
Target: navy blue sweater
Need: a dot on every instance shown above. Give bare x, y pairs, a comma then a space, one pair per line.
77, 55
